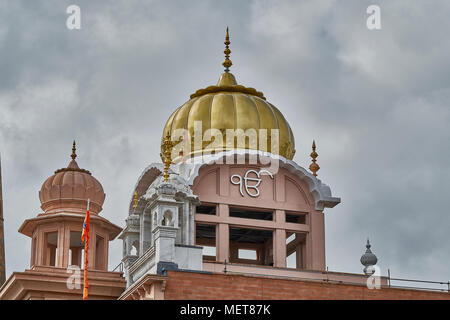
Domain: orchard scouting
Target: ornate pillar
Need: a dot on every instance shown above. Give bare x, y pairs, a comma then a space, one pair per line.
165, 243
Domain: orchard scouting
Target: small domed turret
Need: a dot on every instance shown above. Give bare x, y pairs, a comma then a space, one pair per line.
69, 189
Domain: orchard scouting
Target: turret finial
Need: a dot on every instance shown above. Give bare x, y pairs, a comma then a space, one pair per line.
167, 159
227, 63
74, 149
368, 259
314, 167
135, 200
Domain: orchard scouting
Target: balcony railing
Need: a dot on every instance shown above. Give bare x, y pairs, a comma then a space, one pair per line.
429, 285
437, 285
118, 268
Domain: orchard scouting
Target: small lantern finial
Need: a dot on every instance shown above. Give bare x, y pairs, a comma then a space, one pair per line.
227, 63
167, 159
368, 259
135, 200
314, 167
74, 149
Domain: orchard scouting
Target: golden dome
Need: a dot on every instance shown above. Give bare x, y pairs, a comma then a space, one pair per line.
69, 189
228, 105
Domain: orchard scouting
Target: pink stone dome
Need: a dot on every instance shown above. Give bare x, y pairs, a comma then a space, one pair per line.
69, 189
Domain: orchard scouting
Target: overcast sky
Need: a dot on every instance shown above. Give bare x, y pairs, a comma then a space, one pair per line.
377, 103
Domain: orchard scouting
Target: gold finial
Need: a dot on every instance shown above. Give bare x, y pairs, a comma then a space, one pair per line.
74, 149
135, 200
227, 63
314, 167
167, 159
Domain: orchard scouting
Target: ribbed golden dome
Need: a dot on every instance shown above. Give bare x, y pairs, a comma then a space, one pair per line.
231, 106
228, 105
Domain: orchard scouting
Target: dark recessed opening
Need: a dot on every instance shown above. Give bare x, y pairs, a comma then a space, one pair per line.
205, 231
241, 235
251, 214
251, 246
205, 236
206, 209
296, 217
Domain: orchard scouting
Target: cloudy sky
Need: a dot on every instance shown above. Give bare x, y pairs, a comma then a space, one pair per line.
377, 103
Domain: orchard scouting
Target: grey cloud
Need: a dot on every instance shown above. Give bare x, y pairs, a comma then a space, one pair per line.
375, 101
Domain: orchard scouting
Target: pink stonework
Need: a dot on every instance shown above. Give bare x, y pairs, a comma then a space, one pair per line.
68, 190
285, 193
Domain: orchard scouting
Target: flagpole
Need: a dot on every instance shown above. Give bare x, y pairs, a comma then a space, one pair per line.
85, 238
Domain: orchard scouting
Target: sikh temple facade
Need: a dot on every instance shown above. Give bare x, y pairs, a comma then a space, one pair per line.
228, 214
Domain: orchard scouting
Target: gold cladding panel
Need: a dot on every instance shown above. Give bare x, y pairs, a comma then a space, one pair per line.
180, 120
223, 113
267, 118
200, 111
247, 115
284, 132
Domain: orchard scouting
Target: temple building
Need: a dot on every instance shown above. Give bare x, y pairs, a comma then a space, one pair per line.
56, 249
227, 214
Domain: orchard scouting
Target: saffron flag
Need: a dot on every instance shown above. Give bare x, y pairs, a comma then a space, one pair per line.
85, 239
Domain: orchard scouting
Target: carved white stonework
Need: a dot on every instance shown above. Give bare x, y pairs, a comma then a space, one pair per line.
162, 225
320, 192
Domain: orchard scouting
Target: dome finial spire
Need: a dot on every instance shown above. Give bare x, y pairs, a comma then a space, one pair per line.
314, 167
74, 149
167, 157
135, 200
368, 259
227, 63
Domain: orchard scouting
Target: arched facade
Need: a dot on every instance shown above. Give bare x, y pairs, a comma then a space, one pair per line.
272, 215
241, 214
